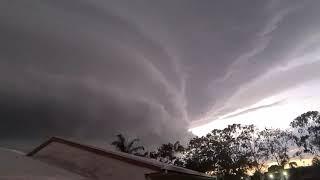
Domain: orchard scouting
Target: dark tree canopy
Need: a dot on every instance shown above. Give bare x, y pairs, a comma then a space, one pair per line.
307, 131
238, 149
275, 168
228, 151
316, 161
168, 153
276, 145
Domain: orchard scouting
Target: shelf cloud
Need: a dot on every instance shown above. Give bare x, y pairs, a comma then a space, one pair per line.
90, 69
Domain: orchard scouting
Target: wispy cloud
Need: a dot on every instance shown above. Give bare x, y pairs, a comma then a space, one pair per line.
246, 111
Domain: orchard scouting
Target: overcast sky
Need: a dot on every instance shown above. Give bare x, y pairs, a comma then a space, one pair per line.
87, 69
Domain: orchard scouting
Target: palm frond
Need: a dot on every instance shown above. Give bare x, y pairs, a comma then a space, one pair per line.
130, 145
120, 143
121, 138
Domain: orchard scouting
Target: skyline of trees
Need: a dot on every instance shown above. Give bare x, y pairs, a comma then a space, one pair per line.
237, 149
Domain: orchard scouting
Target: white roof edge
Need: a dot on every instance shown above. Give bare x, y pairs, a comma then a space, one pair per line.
12, 150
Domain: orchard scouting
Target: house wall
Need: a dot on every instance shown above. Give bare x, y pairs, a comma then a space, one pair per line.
18, 166
89, 164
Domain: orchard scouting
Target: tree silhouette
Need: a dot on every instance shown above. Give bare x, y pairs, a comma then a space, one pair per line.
275, 168
307, 131
168, 153
237, 149
126, 146
293, 165
316, 161
276, 145
227, 152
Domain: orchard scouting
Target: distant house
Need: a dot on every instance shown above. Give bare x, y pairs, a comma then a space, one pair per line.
95, 163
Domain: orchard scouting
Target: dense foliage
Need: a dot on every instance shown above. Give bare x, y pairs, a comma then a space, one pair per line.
307, 130
238, 149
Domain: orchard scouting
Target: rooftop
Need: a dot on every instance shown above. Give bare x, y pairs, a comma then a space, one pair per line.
136, 160
16, 165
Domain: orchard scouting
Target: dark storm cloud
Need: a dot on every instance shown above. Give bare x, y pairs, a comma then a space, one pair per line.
78, 70
89, 69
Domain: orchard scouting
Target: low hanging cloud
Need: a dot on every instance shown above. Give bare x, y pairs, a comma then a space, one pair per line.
90, 69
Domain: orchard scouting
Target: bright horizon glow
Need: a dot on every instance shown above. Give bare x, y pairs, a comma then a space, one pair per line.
296, 101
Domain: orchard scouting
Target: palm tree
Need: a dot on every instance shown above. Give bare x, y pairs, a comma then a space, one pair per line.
127, 147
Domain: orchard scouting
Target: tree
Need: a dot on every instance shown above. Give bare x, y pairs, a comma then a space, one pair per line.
257, 175
276, 145
227, 152
293, 165
307, 132
257, 149
125, 146
275, 168
237, 155
201, 155
168, 152
316, 161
